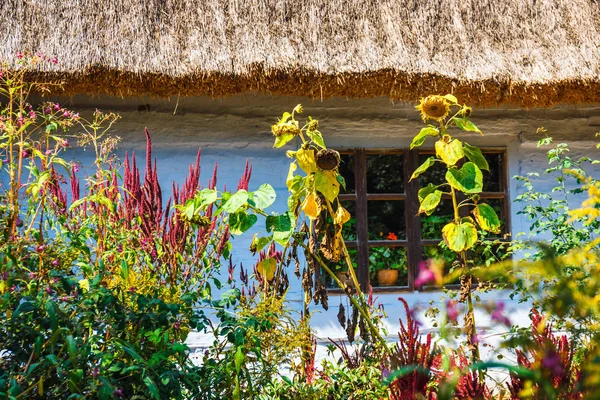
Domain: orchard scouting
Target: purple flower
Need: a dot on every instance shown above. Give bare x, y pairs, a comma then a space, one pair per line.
176, 325
425, 275
95, 372
48, 110
65, 143
25, 153
66, 114
32, 114
132, 289
119, 393
75, 116
4, 276
19, 55
56, 107
31, 275
55, 263
48, 152
18, 222
552, 362
40, 248
498, 314
54, 60
451, 311
49, 290
120, 248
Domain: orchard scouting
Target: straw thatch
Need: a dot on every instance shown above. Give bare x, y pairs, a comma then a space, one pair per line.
532, 53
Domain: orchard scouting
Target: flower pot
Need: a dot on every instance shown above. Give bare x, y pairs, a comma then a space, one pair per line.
387, 277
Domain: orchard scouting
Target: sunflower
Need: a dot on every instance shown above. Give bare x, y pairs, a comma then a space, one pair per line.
434, 107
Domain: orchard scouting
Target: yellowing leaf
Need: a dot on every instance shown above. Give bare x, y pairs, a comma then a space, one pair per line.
327, 184
459, 237
267, 268
419, 139
430, 202
450, 152
306, 160
310, 206
290, 176
451, 98
423, 167
341, 216
487, 218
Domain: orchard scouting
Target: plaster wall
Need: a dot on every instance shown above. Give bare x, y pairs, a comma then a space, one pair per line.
231, 130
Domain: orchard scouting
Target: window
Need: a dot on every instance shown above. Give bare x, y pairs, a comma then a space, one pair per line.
385, 233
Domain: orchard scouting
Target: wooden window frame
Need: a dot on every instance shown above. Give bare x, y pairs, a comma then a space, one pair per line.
413, 242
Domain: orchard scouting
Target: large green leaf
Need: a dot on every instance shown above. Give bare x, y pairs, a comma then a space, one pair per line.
264, 196
475, 155
450, 152
281, 226
459, 237
487, 218
419, 139
240, 222
468, 179
205, 197
423, 167
466, 125
430, 202
327, 183
237, 200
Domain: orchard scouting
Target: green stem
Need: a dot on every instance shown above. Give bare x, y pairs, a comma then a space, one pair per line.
360, 307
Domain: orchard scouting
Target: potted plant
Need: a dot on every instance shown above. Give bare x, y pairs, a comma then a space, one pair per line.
386, 263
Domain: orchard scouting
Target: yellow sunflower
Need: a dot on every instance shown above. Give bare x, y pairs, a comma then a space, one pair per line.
434, 107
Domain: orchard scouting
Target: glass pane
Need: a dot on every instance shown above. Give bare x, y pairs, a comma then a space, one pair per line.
386, 220
387, 266
492, 180
349, 228
385, 173
346, 169
431, 226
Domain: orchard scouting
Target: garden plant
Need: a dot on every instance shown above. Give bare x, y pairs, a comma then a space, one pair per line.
103, 276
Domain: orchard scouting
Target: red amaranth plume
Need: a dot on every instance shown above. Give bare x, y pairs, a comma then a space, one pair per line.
409, 351
245, 179
551, 354
213, 182
74, 181
57, 195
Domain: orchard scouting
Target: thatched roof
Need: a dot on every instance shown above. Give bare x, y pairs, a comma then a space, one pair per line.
533, 53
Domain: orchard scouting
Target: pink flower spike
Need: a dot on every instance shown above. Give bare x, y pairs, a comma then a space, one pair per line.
19, 55
498, 315
32, 114
425, 276
66, 114
451, 311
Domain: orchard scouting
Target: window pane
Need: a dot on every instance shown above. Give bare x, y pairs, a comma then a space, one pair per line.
492, 180
385, 173
346, 169
387, 266
431, 225
386, 220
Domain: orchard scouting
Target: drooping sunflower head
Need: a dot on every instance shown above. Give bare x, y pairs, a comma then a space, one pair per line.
434, 107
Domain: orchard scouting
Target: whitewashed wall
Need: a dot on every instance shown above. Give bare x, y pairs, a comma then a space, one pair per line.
231, 130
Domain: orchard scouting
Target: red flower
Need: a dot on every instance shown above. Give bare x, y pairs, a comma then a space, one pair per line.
391, 236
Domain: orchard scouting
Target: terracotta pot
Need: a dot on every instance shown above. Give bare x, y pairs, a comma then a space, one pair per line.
387, 277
